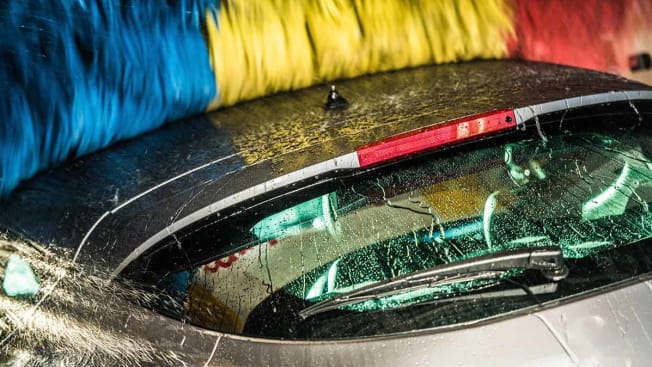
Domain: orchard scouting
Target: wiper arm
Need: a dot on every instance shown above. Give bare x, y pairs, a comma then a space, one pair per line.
547, 259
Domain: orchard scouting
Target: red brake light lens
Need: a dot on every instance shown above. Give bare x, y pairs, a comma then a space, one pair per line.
436, 136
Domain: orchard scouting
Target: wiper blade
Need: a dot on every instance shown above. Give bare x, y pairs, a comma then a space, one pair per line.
547, 259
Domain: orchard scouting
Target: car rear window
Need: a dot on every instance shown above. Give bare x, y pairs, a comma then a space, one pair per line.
587, 192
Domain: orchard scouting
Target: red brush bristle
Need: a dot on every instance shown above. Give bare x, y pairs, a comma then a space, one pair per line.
594, 34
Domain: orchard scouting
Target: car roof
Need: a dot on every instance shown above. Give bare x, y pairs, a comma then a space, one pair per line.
105, 205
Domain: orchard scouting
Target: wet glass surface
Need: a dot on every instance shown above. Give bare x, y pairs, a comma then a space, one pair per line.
588, 193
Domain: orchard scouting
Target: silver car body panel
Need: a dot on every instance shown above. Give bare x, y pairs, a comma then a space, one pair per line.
607, 329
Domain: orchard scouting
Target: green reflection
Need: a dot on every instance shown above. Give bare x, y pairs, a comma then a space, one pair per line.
614, 199
317, 214
583, 199
586, 193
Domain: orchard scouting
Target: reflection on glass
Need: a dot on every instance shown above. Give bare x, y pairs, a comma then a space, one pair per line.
586, 193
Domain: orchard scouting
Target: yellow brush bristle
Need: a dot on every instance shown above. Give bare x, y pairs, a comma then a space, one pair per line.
263, 46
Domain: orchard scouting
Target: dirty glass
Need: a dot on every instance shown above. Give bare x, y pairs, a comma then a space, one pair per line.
588, 193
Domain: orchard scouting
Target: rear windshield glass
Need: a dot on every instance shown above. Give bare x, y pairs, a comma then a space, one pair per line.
588, 193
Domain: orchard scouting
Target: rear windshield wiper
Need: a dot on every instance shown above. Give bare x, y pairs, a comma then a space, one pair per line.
547, 259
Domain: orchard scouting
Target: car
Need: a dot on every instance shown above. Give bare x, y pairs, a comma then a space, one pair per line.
483, 213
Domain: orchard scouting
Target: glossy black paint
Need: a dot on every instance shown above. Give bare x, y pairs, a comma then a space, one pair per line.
253, 142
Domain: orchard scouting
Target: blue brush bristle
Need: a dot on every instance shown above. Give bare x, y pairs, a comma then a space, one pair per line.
78, 75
